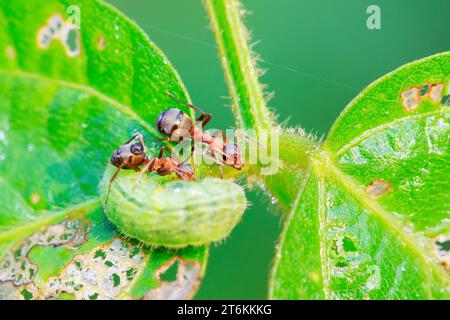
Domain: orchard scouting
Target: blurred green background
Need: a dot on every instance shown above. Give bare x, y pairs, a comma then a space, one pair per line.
318, 55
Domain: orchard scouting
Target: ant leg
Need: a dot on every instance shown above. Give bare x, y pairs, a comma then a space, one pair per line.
134, 167
169, 152
185, 103
166, 149
184, 175
220, 167
213, 160
204, 117
254, 141
190, 155
112, 180
218, 162
215, 136
147, 168
136, 135
188, 158
141, 141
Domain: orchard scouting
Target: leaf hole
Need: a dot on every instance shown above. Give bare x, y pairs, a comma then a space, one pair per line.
101, 43
444, 245
348, 245
343, 245
63, 31
424, 90
71, 39
179, 279
342, 264
446, 101
171, 273
442, 249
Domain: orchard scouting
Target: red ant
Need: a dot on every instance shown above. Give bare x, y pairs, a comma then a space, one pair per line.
131, 155
174, 123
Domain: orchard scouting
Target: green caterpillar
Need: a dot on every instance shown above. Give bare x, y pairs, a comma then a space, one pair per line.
173, 214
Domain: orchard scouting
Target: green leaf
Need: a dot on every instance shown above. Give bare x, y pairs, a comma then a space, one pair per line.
68, 98
371, 220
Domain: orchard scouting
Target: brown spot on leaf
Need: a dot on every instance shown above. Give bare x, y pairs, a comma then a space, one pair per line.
435, 92
412, 97
35, 198
378, 188
101, 43
48, 32
182, 287
10, 52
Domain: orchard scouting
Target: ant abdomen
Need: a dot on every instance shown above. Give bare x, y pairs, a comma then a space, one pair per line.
174, 122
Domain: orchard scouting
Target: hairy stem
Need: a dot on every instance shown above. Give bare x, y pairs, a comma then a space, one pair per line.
241, 73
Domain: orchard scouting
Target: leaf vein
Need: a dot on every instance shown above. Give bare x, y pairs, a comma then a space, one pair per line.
89, 90
348, 184
374, 131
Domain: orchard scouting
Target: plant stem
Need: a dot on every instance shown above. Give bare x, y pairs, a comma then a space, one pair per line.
241, 73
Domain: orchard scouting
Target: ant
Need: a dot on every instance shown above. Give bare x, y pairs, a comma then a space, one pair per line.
174, 123
132, 155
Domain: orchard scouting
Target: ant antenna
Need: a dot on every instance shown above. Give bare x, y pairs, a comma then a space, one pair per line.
112, 180
185, 103
255, 141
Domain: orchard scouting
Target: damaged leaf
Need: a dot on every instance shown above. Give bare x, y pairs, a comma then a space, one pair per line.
69, 95
371, 220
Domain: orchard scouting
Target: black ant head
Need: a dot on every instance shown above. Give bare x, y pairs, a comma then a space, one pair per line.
171, 120
133, 153
116, 159
232, 156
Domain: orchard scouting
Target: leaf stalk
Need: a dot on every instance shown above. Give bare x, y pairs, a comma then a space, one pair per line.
239, 64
